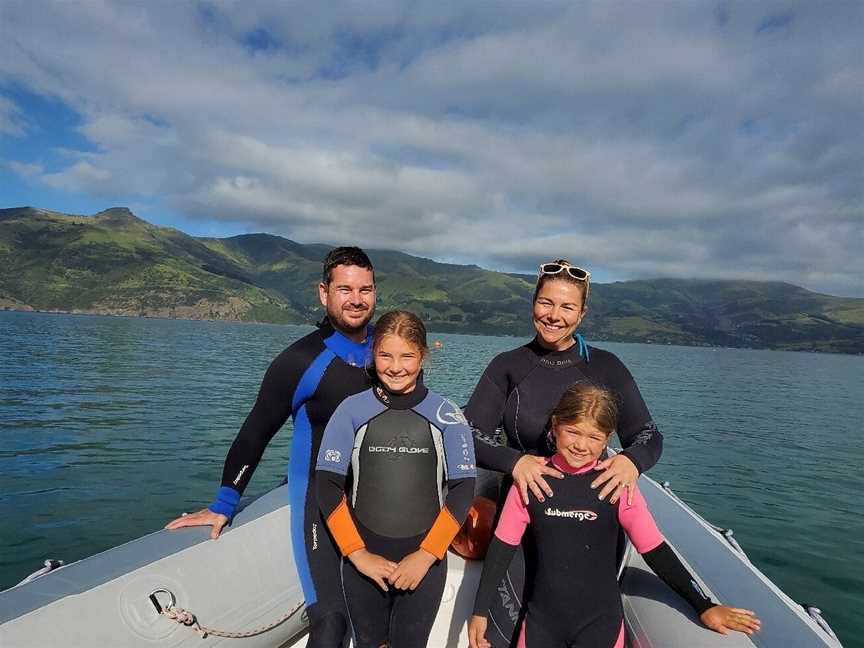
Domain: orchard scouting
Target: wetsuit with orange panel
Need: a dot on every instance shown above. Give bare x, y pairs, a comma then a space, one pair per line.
395, 473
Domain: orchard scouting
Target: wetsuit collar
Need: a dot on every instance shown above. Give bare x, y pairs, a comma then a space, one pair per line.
356, 354
576, 354
400, 401
561, 464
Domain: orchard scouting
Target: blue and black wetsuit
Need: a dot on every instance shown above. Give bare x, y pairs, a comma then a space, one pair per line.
395, 474
307, 381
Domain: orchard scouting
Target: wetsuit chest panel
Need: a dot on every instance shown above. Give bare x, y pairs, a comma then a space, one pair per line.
575, 539
398, 468
526, 415
338, 381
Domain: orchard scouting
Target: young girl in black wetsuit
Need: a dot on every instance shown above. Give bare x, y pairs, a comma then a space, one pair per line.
572, 597
410, 457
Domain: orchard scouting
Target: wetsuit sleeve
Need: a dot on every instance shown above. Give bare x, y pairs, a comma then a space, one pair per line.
272, 408
461, 472
508, 534
484, 411
331, 470
642, 530
666, 564
638, 523
514, 518
640, 438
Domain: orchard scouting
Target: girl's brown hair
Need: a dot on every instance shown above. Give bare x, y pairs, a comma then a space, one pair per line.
543, 279
588, 402
404, 324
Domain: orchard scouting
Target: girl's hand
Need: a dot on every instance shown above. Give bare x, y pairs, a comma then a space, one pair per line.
528, 473
618, 473
477, 632
411, 570
376, 567
722, 619
204, 517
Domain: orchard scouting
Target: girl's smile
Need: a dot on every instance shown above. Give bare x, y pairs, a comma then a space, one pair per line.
398, 363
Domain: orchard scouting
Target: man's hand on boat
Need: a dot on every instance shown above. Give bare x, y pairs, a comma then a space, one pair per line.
722, 619
619, 473
411, 570
204, 517
530, 473
376, 567
477, 632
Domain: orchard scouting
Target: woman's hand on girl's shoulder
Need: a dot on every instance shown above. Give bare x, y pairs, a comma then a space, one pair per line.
477, 632
619, 474
376, 567
411, 570
722, 619
530, 473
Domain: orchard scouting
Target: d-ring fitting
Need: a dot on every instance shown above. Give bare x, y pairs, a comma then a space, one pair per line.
155, 601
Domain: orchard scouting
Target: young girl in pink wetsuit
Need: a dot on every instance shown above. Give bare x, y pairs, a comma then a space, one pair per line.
572, 596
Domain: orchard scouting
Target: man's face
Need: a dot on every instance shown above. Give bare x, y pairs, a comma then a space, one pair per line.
349, 298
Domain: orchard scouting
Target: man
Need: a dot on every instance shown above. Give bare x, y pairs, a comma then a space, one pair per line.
307, 381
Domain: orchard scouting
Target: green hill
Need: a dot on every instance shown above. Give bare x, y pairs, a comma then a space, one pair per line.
115, 263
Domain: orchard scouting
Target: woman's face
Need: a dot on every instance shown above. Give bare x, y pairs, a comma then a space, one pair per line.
558, 313
579, 443
398, 363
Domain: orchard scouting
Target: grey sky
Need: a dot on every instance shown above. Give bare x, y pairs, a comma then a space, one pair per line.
638, 139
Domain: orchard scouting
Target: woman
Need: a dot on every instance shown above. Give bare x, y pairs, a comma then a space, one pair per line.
520, 388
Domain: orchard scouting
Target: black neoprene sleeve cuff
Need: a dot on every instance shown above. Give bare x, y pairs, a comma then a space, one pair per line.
663, 562
460, 494
495, 565
330, 489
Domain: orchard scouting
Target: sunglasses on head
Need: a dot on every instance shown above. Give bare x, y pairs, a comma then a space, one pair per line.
579, 274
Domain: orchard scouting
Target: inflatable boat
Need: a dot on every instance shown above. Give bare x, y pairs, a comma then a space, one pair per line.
171, 588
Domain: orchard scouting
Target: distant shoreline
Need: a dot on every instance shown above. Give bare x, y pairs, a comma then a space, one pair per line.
431, 329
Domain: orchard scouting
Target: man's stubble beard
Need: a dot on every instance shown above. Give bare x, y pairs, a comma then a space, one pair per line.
340, 323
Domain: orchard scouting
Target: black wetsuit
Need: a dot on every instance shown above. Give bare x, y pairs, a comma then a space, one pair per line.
307, 381
410, 460
520, 388
517, 392
572, 594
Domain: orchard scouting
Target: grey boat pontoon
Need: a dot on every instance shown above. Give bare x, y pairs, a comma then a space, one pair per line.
246, 580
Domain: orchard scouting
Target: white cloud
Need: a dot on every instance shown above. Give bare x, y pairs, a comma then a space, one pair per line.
644, 140
23, 169
11, 121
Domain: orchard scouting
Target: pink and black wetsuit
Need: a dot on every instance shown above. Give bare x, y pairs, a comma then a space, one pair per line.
572, 594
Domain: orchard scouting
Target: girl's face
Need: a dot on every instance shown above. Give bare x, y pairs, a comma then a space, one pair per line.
398, 363
579, 442
557, 313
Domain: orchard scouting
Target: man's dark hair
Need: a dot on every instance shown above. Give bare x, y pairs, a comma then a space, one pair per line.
348, 255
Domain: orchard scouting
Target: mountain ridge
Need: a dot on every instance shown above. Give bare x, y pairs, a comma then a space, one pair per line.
116, 263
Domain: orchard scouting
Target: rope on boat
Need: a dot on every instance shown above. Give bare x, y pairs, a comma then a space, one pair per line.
187, 618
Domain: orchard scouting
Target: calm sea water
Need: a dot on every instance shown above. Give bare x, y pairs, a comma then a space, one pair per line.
109, 427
